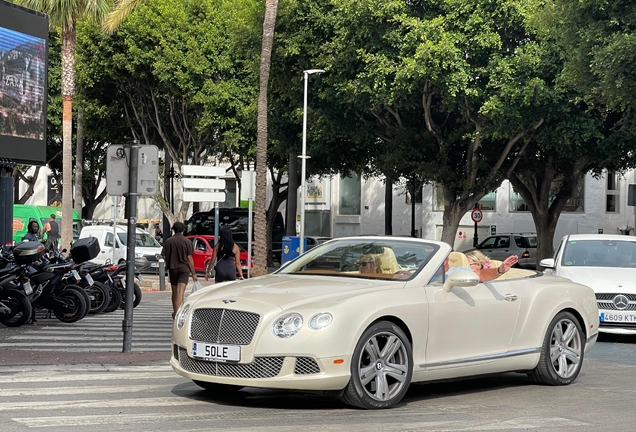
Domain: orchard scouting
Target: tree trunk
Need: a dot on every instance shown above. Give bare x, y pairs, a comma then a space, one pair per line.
292, 195
545, 236
454, 210
79, 162
68, 91
388, 207
260, 221
413, 210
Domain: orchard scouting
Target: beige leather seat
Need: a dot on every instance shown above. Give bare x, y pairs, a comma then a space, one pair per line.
458, 259
388, 262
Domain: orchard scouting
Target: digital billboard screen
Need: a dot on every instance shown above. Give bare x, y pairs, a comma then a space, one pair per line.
23, 84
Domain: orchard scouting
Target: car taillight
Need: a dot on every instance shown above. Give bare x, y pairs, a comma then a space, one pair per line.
526, 254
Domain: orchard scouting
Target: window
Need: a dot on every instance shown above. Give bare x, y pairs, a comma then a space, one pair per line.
575, 204
109, 240
418, 197
488, 243
612, 192
487, 203
349, 192
230, 194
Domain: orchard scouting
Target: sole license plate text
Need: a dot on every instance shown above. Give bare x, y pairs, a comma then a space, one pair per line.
216, 352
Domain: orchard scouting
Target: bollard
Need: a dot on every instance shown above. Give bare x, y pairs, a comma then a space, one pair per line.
162, 275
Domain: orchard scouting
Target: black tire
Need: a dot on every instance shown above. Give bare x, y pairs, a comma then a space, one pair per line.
20, 306
566, 341
83, 293
218, 388
382, 356
136, 299
100, 296
114, 301
78, 306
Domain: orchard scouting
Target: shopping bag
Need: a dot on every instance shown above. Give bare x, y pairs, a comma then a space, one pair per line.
196, 287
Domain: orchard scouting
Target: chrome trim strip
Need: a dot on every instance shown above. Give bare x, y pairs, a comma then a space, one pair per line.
483, 358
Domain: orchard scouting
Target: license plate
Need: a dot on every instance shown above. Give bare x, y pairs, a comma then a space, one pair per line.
89, 279
154, 264
76, 275
28, 289
618, 317
216, 352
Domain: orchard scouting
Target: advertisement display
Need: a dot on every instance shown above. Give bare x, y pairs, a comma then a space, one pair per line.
23, 84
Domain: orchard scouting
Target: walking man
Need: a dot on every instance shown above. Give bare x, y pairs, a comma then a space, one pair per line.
177, 252
52, 231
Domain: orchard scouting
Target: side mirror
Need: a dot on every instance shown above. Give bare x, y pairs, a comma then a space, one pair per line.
548, 263
461, 278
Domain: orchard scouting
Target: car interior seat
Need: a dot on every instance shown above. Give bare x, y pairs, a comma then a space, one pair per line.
494, 263
458, 259
388, 262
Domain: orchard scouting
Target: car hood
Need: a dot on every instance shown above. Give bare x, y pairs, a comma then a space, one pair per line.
287, 291
147, 250
602, 279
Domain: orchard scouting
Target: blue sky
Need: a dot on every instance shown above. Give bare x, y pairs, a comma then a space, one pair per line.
10, 39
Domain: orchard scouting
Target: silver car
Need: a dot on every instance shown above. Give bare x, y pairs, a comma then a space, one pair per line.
501, 246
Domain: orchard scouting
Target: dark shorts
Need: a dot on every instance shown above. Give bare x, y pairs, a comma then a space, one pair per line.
179, 275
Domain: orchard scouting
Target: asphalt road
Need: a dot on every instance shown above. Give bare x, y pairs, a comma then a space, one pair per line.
75, 378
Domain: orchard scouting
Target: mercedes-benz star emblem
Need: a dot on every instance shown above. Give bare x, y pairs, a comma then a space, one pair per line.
621, 302
229, 301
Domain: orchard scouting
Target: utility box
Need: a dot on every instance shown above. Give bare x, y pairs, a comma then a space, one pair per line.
117, 170
291, 248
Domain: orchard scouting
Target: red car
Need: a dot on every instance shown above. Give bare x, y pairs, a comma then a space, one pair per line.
203, 245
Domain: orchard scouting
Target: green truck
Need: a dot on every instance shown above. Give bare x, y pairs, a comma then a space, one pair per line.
23, 214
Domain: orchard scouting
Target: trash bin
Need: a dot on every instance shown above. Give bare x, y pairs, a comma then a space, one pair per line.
291, 248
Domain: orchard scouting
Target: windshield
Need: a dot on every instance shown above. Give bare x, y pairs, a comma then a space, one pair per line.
141, 239
599, 253
381, 259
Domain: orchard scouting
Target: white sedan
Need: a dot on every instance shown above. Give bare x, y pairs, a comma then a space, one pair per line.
607, 264
364, 317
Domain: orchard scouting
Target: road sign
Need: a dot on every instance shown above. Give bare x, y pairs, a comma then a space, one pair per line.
476, 215
201, 183
117, 170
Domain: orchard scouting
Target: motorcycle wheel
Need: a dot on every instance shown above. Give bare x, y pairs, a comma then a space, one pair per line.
136, 300
78, 306
115, 299
100, 296
20, 306
83, 293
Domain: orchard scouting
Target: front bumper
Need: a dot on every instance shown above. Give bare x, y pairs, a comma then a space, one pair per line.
279, 372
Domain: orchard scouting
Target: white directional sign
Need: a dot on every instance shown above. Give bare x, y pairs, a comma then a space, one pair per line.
201, 183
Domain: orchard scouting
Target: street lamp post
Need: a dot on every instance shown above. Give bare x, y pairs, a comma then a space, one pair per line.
303, 183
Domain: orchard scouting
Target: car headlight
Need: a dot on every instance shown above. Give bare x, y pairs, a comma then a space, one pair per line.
182, 313
320, 321
287, 325
139, 255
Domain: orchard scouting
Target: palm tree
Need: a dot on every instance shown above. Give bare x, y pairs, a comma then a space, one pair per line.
260, 220
122, 9
63, 16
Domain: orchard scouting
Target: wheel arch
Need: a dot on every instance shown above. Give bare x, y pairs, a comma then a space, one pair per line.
395, 320
579, 318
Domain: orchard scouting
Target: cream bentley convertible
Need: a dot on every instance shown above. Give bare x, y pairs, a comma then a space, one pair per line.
366, 316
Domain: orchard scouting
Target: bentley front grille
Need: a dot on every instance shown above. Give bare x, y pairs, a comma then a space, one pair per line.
261, 367
609, 301
223, 326
306, 366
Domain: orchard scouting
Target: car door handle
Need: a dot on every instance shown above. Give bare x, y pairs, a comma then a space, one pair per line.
510, 297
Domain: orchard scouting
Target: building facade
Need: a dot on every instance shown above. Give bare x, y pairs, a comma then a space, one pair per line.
340, 206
